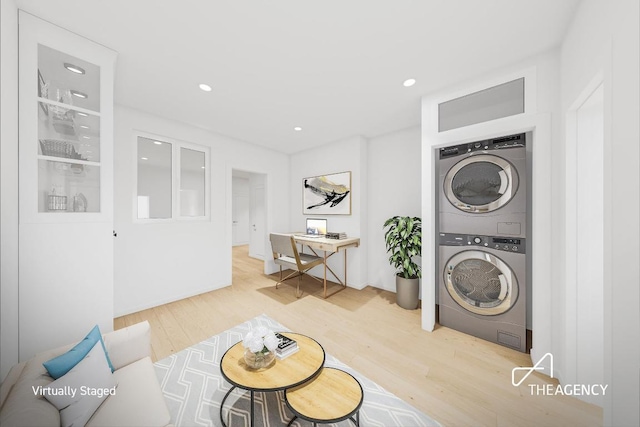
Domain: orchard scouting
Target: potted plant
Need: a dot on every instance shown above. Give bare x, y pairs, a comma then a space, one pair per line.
403, 237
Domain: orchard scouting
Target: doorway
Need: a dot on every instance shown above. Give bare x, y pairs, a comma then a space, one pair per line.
249, 212
585, 239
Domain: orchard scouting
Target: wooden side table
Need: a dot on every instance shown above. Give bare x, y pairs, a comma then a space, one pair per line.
332, 396
296, 369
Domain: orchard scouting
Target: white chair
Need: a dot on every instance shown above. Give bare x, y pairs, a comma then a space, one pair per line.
285, 253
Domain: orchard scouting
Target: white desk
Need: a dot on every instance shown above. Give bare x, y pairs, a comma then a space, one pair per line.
330, 247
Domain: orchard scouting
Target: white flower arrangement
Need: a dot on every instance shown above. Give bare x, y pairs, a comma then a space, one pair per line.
260, 340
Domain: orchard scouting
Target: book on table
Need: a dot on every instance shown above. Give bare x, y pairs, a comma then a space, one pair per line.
337, 236
287, 353
286, 347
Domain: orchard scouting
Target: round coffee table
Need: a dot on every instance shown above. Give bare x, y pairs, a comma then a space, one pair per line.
330, 397
292, 371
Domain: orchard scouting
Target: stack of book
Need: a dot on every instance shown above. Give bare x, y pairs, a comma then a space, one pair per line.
286, 347
335, 235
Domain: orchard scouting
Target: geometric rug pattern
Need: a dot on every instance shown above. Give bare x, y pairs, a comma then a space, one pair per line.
193, 388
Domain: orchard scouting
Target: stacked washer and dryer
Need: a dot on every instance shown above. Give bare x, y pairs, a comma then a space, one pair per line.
482, 272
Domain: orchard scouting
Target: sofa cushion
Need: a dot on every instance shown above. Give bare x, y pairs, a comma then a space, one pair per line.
60, 365
8, 382
138, 400
24, 408
80, 391
129, 344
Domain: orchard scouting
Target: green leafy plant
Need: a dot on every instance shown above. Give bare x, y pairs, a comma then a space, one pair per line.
404, 241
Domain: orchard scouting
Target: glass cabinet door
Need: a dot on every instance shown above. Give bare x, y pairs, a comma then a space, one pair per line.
68, 143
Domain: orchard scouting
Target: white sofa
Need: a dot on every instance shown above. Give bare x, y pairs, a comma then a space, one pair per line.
137, 402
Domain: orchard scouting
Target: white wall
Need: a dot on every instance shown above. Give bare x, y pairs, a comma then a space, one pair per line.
604, 39
9, 189
394, 185
349, 154
164, 261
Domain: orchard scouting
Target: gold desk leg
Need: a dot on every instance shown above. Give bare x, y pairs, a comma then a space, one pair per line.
345, 268
325, 274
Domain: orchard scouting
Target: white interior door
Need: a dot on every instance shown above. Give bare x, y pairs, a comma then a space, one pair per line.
240, 219
257, 243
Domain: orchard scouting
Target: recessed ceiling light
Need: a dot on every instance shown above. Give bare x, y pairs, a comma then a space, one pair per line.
79, 94
144, 158
86, 137
82, 114
84, 127
202, 167
297, 128
205, 87
409, 82
74, 68
157, 142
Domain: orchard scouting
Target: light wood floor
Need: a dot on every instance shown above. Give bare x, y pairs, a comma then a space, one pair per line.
455, 378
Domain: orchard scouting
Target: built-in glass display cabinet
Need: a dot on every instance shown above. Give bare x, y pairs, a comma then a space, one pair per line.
68, 141
65, 185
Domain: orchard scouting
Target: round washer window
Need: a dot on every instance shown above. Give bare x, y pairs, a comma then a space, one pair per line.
477, 183
481, 282
478, 283
481, 183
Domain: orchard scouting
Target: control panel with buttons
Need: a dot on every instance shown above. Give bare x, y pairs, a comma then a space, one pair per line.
507, 244
489, 144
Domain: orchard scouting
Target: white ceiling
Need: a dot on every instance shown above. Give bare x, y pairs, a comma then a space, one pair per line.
333, 67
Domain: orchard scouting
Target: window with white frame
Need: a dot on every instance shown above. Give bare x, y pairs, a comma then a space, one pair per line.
172, 179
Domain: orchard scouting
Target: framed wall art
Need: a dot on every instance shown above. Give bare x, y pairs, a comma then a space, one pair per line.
327, 194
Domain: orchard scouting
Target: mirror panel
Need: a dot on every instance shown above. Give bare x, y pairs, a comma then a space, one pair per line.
154, 178
192, 182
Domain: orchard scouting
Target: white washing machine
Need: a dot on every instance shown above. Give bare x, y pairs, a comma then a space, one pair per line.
483, 187
482, 287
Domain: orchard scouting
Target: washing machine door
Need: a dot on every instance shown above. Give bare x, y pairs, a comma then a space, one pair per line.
481, 282
481, 183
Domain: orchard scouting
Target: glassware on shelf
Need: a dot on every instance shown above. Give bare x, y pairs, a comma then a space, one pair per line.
68, 187
68, 137
79, 203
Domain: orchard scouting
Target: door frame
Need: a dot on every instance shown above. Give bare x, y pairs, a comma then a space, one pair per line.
571, 225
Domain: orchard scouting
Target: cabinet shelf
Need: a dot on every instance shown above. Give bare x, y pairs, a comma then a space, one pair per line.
71, 161
68, 106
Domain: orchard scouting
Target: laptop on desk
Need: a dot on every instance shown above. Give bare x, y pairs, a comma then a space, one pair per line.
315, 228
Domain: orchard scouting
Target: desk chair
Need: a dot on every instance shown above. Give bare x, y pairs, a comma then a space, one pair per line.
285, 253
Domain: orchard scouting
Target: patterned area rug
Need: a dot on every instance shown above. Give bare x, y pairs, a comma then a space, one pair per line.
193, 388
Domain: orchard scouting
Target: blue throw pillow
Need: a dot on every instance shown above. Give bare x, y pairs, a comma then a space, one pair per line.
58, 366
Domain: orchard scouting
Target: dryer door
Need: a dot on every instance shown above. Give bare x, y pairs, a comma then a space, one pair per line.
481, 282
481, 184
